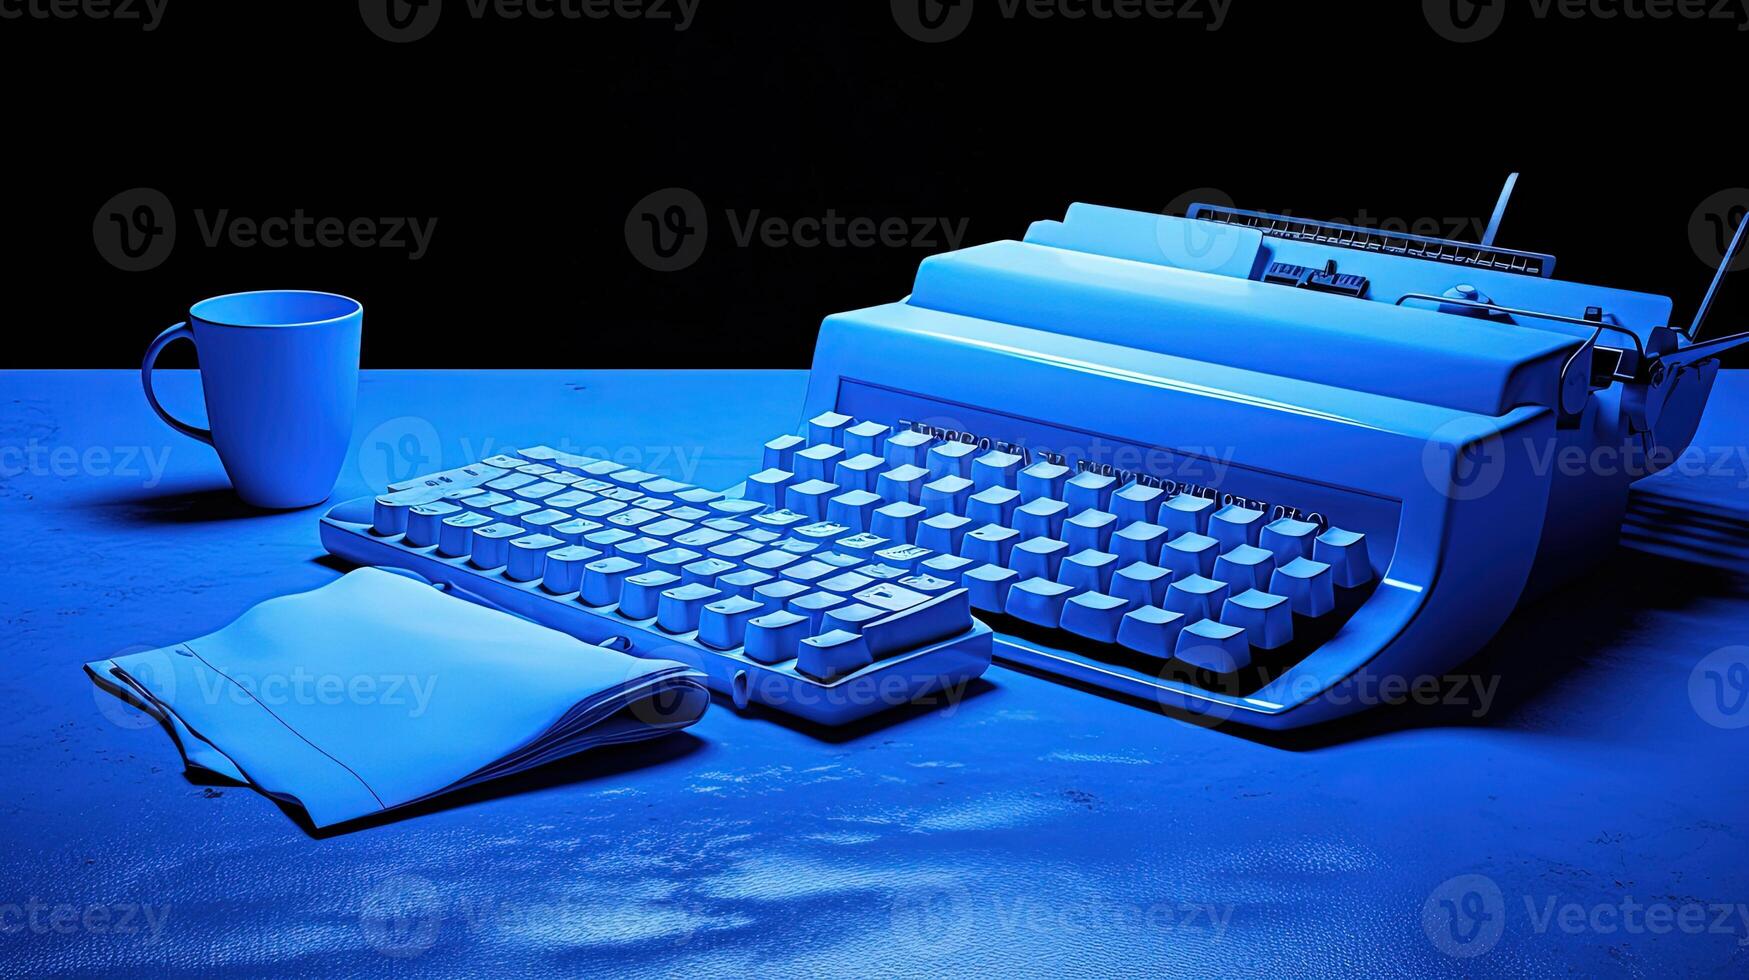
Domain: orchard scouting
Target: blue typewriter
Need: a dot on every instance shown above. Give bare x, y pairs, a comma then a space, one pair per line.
1236, 464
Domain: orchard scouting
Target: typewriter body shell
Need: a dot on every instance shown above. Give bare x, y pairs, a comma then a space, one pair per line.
1486, 456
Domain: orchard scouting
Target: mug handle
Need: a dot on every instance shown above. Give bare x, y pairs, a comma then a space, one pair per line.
179, 332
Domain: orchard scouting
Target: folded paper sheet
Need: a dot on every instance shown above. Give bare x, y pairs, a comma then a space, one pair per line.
378, 690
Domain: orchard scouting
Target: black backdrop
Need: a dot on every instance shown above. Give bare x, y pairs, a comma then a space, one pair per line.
523, 146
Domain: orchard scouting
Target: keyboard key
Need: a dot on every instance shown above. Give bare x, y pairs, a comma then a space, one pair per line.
866, 437
1245, 567
1038, 558
562, 571
390, 513
542, 520
642, 549
1137, 503
947, 495
767, 487
929, 585
862, 545
993, 505
608, 539
537, 491
815, 606
1041, 517
484, 502
995, 469
988, 586
781, 451
1307, 584
1186, 514
1287, 539
919, 624
1088, 490
1090, 529
947, 566
1042, 480
492, 544
631, 479
943, 532
1141, 584
854, 509
821, 533
1196, 597
1151, 631
536, 469
737, 550
705, 571
779, 594
455, 537
902, 485
1139, 541
1345, 553
666, 527
830, 656
906, 556
573, 531
700, 538
808, 572
818, 461
743, 582
897, 522
777, 520
696, 497
1190, 554
509, 482
951, 459
723, 623
851, 617
1088, 570
1234, 525
602, 580
1038, 601
828, 428
570, 499
809, 498
641, 595
1094, 615
859, 472
513, 512
738, 508
680, 608
990, 543
1214, 646
796, 546
908, 448
1267, 619
881, 572
846, 583
664, 487
528, 556
889, 597
425, 522
774, 637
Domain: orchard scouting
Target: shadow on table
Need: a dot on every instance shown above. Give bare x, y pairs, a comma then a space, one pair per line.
183, 505
606, 762
1544, 646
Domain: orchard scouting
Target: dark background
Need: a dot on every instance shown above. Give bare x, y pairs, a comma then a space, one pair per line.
531, 141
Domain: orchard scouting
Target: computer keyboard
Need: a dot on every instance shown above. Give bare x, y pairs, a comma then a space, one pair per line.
778, 607
1238, 464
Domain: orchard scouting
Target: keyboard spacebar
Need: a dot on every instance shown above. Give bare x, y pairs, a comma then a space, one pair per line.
940, 618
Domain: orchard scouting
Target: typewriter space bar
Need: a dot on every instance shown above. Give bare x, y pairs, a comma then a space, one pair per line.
941, 618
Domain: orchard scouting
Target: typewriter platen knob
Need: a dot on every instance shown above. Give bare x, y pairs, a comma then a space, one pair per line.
1469, 294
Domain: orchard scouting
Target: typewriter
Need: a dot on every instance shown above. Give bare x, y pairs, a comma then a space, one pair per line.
1236, 464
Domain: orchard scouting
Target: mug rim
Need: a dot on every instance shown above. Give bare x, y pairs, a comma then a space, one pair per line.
194, 314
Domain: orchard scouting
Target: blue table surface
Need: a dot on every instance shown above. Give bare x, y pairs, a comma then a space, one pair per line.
1027, 828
